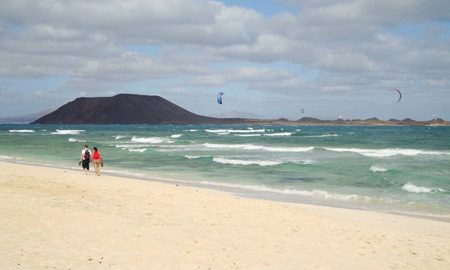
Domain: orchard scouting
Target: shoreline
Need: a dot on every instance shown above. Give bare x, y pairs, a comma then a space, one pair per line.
241, 191
64, 219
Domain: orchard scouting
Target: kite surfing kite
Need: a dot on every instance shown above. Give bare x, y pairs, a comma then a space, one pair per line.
219, 97
399, 93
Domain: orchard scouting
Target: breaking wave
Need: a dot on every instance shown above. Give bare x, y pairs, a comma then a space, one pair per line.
140, 150
21, 130
246, 162
375, 168
228, 131
176, 136
195, 157
279, 134
75, 140
420, 189
152, 140
67, 132
387, 152
233, 161
258, 147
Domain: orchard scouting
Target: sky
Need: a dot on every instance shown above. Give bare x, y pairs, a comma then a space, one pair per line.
271, 58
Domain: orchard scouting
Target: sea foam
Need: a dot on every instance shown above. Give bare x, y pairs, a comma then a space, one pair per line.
152, 140
195, 157
233, 161
279, 134
375, 168
176, 136
258, 147
317, 193
67, 132
387, 152
140, 150
420, 189
245, 162
228, 131
321, 136
21, 130
75, 140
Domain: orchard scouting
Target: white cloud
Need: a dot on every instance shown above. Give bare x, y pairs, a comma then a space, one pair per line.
320, 46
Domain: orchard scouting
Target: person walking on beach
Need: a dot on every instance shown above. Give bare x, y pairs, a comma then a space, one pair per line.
97, 160
85, 158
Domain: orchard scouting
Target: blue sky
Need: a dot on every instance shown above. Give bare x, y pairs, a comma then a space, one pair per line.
271, 58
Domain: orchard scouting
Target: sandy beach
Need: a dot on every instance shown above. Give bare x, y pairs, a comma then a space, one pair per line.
62, 219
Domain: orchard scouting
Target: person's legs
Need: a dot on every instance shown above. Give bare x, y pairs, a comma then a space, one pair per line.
97, 167
86, 165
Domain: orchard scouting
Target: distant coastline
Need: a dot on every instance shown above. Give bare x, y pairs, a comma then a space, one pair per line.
306, 121
155, 110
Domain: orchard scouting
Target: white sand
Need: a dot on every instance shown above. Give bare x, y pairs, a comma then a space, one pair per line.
62, 219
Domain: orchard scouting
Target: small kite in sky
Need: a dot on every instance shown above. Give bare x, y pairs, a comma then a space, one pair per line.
399, 93
219, 97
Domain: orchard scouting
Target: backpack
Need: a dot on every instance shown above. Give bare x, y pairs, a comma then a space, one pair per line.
87, 155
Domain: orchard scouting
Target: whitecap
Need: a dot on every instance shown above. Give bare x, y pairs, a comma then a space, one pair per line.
191, 130
118, 137
75, 140
228, 131
387, 152
5, 157
216, 130
321, 136
258, 147
245, 162
153, 140
420, 189
248, 135
194, 157
140, 150
279, 134
67, 132
129, 145
246, 130
375, 168
306, 162
176, 136
21, 130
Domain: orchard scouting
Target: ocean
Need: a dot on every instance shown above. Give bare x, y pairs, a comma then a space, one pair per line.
402, 170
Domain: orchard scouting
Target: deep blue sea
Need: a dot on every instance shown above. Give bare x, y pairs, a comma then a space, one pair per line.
394, 169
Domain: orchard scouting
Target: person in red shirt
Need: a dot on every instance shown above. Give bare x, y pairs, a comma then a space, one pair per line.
97, 160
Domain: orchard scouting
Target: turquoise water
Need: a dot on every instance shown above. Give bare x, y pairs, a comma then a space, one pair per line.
397, 169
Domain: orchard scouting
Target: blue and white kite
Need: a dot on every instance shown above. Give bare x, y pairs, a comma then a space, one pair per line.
219, 97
